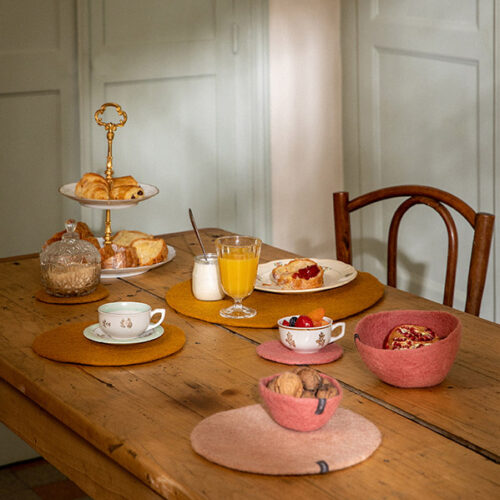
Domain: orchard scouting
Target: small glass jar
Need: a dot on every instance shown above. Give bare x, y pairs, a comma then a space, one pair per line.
70, 267
206, 279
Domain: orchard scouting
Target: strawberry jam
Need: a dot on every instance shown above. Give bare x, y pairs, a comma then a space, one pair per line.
307, 273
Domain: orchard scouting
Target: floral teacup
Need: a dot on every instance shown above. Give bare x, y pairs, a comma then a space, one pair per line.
308, 340
125, 320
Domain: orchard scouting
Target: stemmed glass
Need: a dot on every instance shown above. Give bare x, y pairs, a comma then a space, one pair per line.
238, 260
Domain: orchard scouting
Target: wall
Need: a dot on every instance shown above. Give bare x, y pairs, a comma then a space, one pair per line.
305, 123
419, 108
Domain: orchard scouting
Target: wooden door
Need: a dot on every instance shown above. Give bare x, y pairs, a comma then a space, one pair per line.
419, 101
182, 70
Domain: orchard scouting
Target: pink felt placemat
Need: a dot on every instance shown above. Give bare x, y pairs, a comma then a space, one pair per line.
274, 350
247, 439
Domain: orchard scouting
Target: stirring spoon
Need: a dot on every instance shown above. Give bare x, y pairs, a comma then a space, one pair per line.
193, 223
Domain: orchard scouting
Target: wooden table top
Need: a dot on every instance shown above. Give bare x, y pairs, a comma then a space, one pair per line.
124, 432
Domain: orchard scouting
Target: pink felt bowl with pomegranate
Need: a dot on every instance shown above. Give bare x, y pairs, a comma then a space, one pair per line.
409, 368
299, 414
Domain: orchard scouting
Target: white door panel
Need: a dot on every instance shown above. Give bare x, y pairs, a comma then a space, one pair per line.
186, 82
424, 115
38, 131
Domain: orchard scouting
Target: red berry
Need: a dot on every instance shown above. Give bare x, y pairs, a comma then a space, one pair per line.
285, 322
304, 322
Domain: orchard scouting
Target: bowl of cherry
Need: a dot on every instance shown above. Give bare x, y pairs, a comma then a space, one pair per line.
308, 333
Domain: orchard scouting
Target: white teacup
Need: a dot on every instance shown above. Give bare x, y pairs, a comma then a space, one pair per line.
308, 340
125, 320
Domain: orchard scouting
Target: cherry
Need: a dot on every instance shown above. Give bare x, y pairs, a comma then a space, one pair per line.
304, 322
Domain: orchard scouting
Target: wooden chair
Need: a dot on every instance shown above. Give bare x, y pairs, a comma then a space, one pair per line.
482, 224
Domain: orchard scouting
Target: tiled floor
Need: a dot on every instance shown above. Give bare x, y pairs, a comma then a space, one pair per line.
35, 480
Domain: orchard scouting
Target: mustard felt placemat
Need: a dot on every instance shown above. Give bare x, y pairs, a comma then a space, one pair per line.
67, 344
339, 303
101, 292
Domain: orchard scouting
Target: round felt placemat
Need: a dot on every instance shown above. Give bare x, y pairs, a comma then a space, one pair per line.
101, 292
341, 302
274, 350
67, 344
248, 439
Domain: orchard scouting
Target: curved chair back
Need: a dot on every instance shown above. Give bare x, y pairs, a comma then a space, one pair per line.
482, 224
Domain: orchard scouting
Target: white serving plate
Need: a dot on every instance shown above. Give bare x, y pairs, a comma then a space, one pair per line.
337, 273
68, 190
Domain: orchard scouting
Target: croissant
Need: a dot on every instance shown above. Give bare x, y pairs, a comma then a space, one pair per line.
127, 180
94, 191
126, 192
92, 186
82, 229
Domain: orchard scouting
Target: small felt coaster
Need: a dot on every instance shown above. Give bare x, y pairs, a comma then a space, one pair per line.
340, 302
248, 439
68, 344
274, 350
101, 292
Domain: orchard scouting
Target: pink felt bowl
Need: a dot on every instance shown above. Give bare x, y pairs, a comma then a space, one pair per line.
299, 414
423, 367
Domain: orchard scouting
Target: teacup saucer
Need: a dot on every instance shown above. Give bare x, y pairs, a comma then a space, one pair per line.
94, 333
274, 350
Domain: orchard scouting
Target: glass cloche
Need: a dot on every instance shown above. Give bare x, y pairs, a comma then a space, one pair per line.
70, 267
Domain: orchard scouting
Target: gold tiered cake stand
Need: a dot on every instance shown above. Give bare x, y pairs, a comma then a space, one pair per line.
68, 190
111, 129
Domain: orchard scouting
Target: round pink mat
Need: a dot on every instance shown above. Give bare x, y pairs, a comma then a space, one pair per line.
274, 350
247, 439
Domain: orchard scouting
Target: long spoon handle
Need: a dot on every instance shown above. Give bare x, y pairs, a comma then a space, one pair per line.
193, 223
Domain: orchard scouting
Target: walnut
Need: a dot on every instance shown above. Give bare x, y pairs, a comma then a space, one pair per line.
326, 390
272, 385
308, 394
290, 384
311, 379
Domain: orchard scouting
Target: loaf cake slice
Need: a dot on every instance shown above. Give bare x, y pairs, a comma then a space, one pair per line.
150, 251
125, 238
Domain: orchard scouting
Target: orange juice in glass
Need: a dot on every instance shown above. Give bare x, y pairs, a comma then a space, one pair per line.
238, 260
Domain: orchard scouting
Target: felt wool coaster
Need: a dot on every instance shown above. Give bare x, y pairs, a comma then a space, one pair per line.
248, 439
274, 350
341, 302
68, 344
99, 293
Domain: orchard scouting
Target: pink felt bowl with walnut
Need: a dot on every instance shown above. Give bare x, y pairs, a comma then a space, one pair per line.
299, 414
423, 367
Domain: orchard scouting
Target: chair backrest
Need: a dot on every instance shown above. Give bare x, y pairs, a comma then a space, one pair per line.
482, 224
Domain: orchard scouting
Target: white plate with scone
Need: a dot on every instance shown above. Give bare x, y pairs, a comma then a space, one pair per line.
303, 275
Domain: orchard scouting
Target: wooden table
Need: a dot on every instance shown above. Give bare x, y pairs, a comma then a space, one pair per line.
124, 432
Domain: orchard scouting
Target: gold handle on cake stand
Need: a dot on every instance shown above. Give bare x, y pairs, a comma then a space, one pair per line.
111, 129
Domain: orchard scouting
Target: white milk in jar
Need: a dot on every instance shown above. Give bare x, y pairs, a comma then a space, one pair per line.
206, 279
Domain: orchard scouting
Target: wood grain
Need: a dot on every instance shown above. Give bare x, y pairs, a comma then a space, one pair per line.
128, 428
